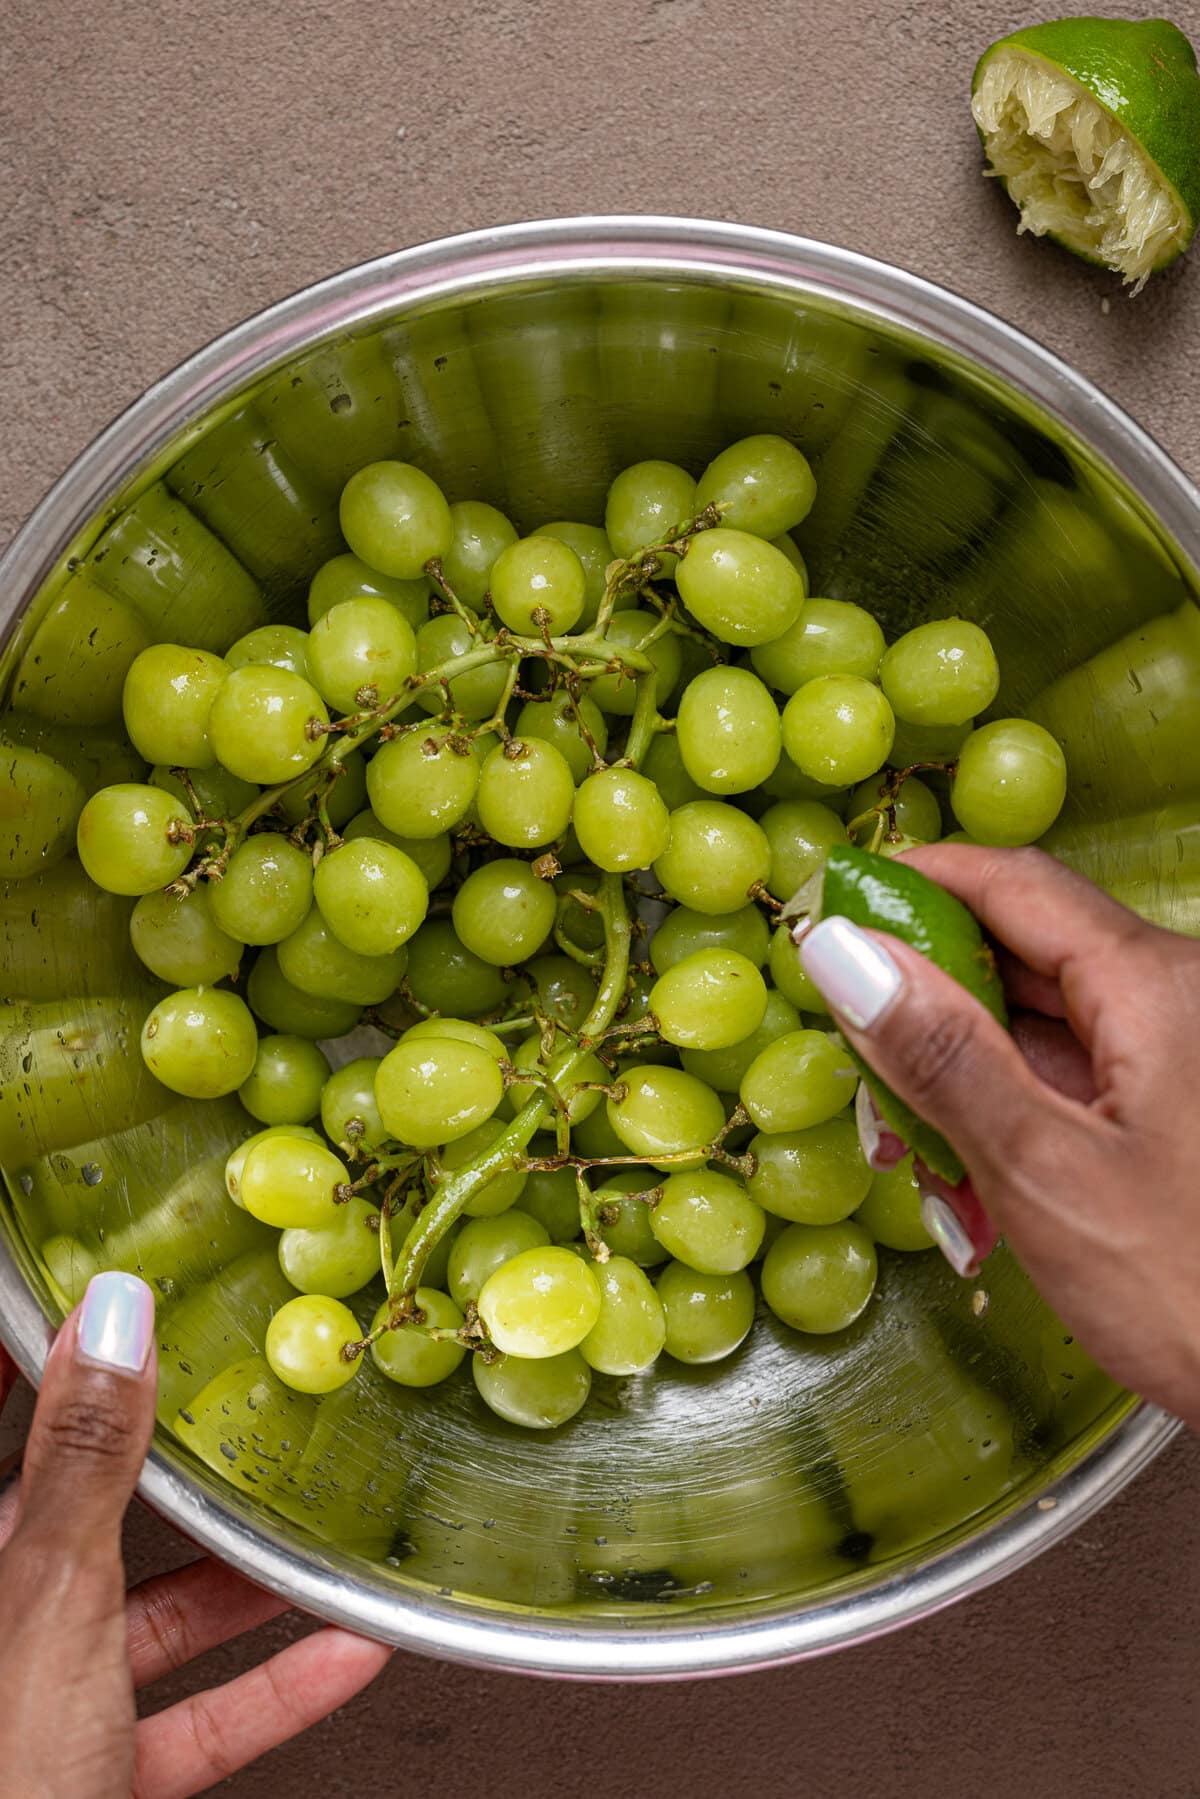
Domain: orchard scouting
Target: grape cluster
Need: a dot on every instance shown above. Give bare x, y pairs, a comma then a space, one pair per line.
526, 809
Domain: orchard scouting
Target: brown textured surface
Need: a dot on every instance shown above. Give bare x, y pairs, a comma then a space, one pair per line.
164, 172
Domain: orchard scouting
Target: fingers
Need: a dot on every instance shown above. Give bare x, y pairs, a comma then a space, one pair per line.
175, 1617
194, 1744
1055, 1055
1029, 991
8, 1376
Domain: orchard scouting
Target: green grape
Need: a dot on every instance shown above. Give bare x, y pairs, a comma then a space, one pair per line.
663, 765
435, 1089
284, 1086
625, 1217
926, 743
814, 1176
476, 694
916, 809
787, 971
258, 726
266, 891
361, 653
645, 504
445, 976
665, 1113
236, 1160
715, 857
707, 1222
892, 1209
414, 1360
200, 1042
838, 729
616, 694
432, 855
830, 637
462, 1030
485, 1244
166, 700
594, 551
341, 786
787, 547
820, 1277
335, 1259
562, 721
179, 940
722, 1069
289, 1182
709, 1000
895, 843
525, 793
317, 962
800, 1080
502, 1189
738, 587
538, 584
124, 839
424, 783
395, 518
480, 533
708, 1315
551, 1201
503, 913
286, 1009
942, 673
220, 796
620, 820
541, 1303
349, 578
581, 1103
729, 730
305, 1341
787, 783
275, 646
628, 1336
800, 834
371, 895
565, 992
349, 1113
1010, 782
583, 928
683, 932
762, 484
539, 1395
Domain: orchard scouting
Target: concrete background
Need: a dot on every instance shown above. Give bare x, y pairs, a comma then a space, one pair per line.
165, 171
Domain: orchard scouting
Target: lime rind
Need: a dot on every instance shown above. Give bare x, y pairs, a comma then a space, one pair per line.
1074, 173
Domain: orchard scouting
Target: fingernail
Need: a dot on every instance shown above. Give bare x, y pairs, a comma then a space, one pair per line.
856, 975
943, 1224
116, 1323
881, 1146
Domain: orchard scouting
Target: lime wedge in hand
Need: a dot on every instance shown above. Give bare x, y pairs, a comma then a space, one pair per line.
1093, 125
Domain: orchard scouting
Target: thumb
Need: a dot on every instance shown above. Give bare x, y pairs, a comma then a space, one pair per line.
92, 1423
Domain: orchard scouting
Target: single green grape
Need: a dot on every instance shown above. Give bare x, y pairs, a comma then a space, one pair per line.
275, 646
432, 855
800, 1080
360, 653
830, 637
787, 547
942, 673
200, 1042
564, 991
236, 1159
461, 1030
480, 533
787, 783
723, 1069
284, 1086
595, 1139
538, 584
665, 1113
124, 837
927, 743
541, 1303
741, 589
583, 927
590, 543
349, 578
445, 976
266, 891
259, 724
729, 730
1010, 782
180, 941
540, 1395
395, 518
371, 895
475, 694
305, 1342
800, 834
289, 1181
616, 693
916, 809
317, 962
286, 1009
525, 793
646, 503
349, 1112
620, 820
502, 1189
707, 1221
709, 1000
336, 1259
628, 1336
787, 971
166, 700
410, 1358
762, 484
715, 857
581, 1103
503, 912
341, 787
820, 1277
551, 1200
663, 765
892, 1209
567, 724
435, 1089
424, 783
625, 1215
838, 729
485, 1244
684, 931
814, 1176
708, 1315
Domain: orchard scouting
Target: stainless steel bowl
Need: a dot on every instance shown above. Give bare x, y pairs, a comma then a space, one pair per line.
807, 1493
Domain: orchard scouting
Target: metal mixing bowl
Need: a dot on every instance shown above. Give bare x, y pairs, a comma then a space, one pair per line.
808, 1492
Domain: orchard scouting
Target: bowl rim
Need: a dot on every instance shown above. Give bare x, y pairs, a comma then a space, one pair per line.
630, 247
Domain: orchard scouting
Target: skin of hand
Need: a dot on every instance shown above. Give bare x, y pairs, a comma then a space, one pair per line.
75, 1646
1072, 1128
